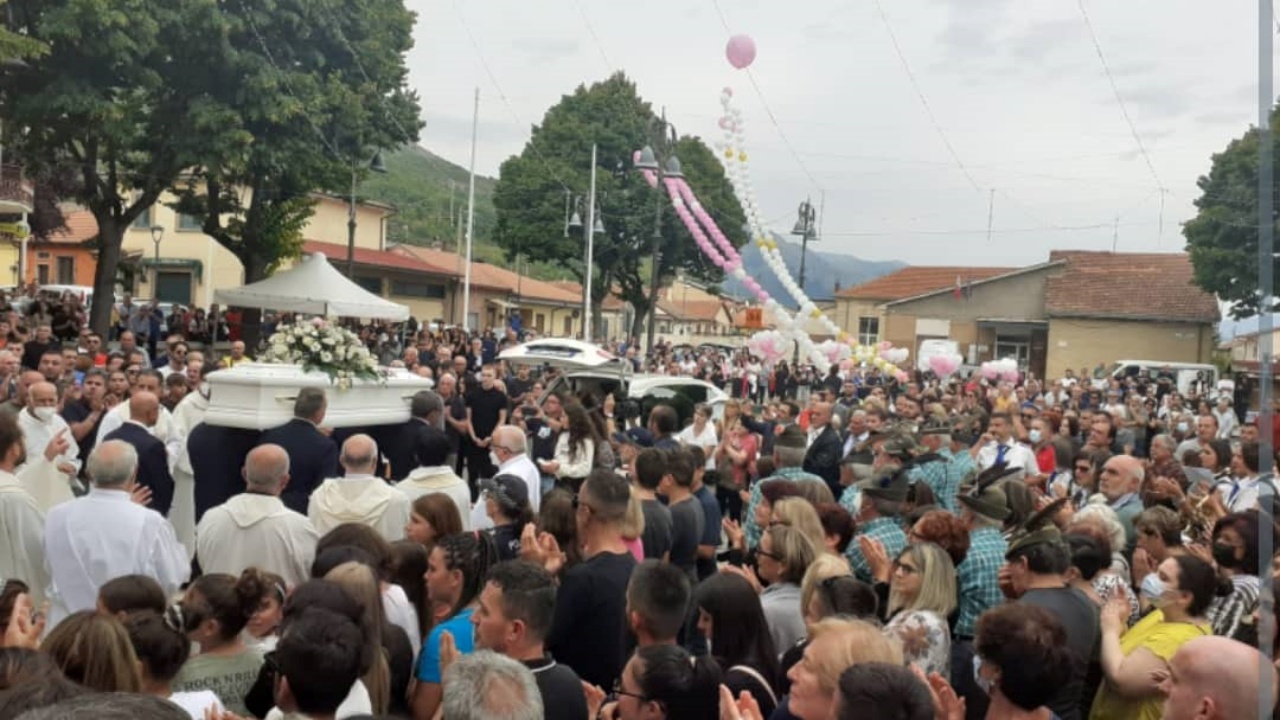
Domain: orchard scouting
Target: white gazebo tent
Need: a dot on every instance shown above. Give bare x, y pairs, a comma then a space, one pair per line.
313, 286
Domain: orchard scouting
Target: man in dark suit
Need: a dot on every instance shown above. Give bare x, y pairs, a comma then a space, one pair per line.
826, 447
425, 419
153, 461
313, 456
217, 456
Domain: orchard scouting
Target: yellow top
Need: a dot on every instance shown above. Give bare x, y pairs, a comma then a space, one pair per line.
1158, 637
230, 362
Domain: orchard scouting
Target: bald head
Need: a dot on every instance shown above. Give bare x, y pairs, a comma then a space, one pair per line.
1121, 475
266, 469
42, 394
359, 455
144, 407
511, 438
1215, 678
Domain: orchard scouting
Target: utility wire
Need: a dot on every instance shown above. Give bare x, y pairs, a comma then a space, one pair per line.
592, 32
915, 84
1124, 109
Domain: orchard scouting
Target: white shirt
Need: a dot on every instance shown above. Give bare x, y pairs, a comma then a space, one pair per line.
1015, 455
706, 440
426, 480
363, 499
165, 430
520, 466
1242, 494
254, 530
21, 537
357, 702
401, 613
37, 434
196, 702
186, 416
102, 536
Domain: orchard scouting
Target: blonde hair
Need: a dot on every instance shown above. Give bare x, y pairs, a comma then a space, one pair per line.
633, 521
937, 581
360, 583
95, 651
798, 513
794, 552
825, 566
854, 642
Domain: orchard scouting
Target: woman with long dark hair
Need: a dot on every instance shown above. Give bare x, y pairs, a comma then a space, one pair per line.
575, 449
455, 576
215, 611
732, 621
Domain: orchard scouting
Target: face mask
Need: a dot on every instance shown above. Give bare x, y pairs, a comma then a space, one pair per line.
1225, 555
494, 459
204, 389
984, 684
1034, 436
44, 414
1152, 589
1183, 427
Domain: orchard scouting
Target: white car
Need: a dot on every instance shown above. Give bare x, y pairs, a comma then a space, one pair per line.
561, 353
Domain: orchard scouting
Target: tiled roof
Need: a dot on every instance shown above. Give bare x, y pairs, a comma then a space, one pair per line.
1139, 286
917, 280
692, 310
80, 226
337, 255
490, 276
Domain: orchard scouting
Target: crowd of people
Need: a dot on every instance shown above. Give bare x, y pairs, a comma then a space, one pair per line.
823, 545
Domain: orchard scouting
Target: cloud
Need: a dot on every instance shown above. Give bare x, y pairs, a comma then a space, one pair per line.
546, 50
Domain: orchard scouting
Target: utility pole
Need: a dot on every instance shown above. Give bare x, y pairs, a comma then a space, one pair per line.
991, 212
471, 217
590, 229
1115, 233
1267, 294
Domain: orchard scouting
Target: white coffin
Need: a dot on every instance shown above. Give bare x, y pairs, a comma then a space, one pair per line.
257, 396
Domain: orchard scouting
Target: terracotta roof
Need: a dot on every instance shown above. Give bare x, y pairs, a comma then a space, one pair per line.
493, 277
918, 280
81, 226
337, 255
692, 310
1146, 286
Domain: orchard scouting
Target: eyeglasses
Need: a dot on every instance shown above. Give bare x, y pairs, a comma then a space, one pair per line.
619, 692
771, 556
905, 568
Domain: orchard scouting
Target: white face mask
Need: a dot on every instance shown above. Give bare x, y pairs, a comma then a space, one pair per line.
983, 683
1034, 436
493, 458
44, 414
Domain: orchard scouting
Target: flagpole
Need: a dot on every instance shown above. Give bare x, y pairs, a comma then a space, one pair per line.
471, 218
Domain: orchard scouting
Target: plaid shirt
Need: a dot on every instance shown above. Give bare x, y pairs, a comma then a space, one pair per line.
750, 529
977, 576
888, 530
944, 476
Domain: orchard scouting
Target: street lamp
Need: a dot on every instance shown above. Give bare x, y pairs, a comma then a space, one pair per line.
376, 165
651, 160
157, 234
805, 228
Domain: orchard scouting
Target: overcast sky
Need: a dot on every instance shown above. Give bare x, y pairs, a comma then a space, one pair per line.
1016, 86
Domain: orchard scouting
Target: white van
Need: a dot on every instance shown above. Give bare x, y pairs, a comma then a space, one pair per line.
1184, 375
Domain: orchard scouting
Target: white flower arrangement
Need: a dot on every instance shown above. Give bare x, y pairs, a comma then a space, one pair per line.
321, 344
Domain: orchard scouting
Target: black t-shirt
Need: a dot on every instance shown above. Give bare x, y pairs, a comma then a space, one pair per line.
77, 412
686, 531
32, 351
542, 438
486, 406
1079, 616
657, 529
561, 690
506, 538
589, 629
517, 387
710, 529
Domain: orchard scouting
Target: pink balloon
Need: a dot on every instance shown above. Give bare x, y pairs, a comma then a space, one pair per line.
902, 377
942, 365
990, 371
741, 51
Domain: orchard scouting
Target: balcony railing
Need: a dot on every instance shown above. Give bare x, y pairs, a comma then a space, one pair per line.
15, 189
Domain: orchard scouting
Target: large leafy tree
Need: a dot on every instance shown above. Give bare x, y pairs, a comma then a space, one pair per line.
531, 195
314, 87
122, 97
1223, 236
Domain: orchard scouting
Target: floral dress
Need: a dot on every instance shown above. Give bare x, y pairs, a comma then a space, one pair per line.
925, 638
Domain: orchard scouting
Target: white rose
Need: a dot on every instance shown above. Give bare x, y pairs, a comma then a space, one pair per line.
326, 357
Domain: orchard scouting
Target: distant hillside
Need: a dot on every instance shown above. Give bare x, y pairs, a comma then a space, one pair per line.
824, 273
417, 182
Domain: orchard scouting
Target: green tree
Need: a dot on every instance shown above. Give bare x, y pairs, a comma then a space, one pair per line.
531, 195
1223, 236
120, 96
16, 49
314, 88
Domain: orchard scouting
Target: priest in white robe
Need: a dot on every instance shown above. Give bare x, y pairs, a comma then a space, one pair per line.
104, 535
21, 521
186, 416
255, 528
40, 423
359, 496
